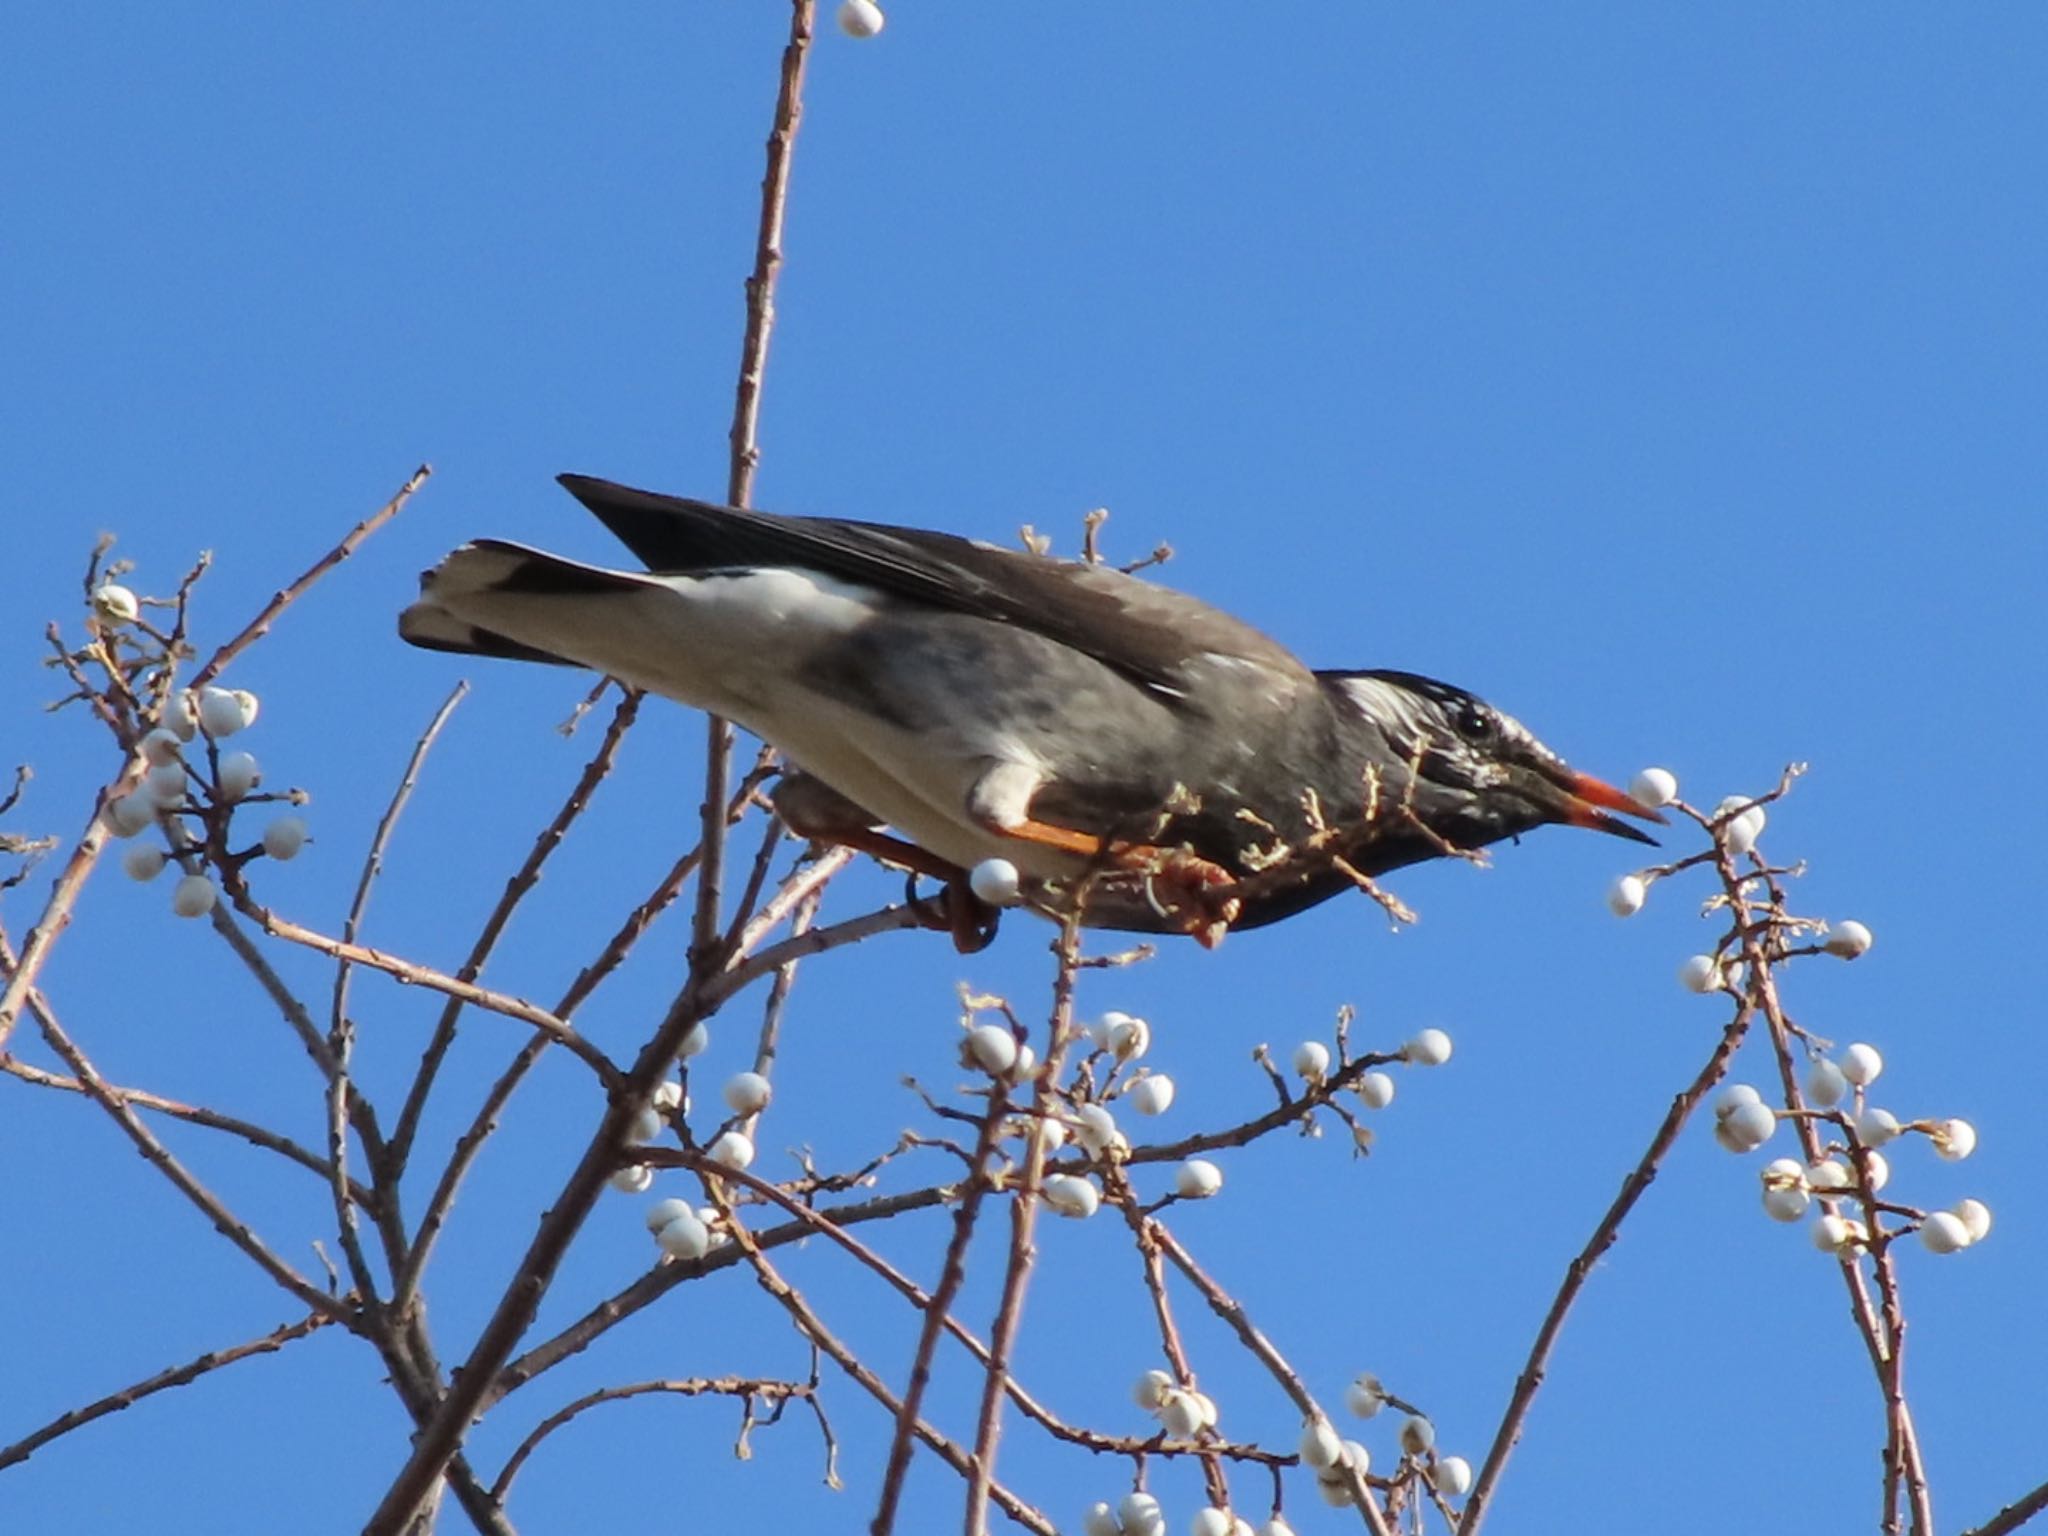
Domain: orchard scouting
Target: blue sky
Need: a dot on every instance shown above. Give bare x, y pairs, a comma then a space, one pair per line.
1671, 377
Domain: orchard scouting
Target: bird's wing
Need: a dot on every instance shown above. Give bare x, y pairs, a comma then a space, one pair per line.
1151, 634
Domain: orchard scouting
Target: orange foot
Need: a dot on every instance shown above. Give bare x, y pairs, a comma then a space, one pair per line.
1186, 889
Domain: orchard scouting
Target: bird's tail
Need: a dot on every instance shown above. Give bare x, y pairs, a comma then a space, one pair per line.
458, 595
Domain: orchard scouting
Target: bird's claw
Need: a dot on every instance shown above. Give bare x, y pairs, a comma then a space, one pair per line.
956, 910
1193, 893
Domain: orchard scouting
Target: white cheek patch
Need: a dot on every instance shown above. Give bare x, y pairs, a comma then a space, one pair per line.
1399, 713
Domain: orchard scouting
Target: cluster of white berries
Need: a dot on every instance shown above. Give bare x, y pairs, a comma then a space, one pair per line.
1139, 1514
1375, 1090
1184, 1412
1742, 822
1743, 1122
684, 1232
862, 18
1123, 1038
1331, 1458
166, 784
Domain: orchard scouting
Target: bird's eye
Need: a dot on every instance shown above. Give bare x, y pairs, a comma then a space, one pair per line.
1474, 723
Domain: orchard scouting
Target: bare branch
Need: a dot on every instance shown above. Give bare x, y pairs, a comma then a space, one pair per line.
259, 626
176, 1376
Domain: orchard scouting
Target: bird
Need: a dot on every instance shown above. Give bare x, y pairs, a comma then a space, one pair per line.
1142, 759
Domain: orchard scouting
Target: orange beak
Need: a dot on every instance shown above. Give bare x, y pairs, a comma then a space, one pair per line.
1580, 800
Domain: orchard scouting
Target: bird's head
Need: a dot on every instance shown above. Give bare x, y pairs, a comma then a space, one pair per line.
1479, 773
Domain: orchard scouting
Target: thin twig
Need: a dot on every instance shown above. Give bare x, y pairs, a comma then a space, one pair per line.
952, 1272
56, 914
1023, 1224
698, 1386
176, 1376
160, 1157
341, 1029
522, 881
259, 626
193, 1114
1581, 1267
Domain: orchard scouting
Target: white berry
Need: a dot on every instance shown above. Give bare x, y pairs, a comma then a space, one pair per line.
1625, 897
1862, 1065
633, 1179
193, 896
645, 1125
181, 715
991, 1048
131, 813
1954, 1140
1197, 1179
1100, 1520
662, 1212
686, 1237
1417, 1434
1428, 1048
1453, 1476
1139, 1515
1701, 973
1838, 1234
1095, 1128
696, 1042
1312, 1060
1848, 939
861, 18
220, 713
1877, 1170
1152, 1094
161, 746
238, 774
747, 1093
142, 861
1275, 1527
164, 786
1875, 1127
1654, 787
1975, 1215
1365, 1397
115, 604
733, 1149
1129, 1038
1734, 1096
1828, 1176
1750, 1124
1210, 1522
1151, 1389
1333, 1489
996, 882
1944, 1232
1180, 1413
1320, 1445
1826, 1084
1103, 1027
1071, 1195
1375, 1090
284, 837
1786, 1203
1744, 829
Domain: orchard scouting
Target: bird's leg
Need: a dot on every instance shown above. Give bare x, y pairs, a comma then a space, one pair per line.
811, 808
1182, 886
